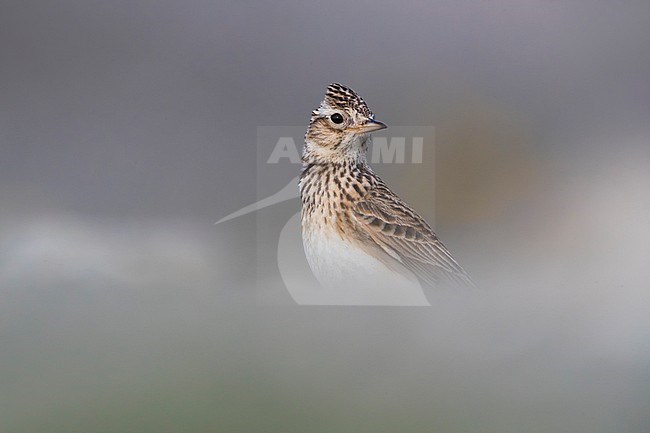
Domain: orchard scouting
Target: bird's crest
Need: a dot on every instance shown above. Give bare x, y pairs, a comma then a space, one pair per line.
339, 96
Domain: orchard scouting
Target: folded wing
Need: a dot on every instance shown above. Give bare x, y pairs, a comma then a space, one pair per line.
403, 235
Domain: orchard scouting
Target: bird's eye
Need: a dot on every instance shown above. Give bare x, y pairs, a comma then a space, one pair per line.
337, 118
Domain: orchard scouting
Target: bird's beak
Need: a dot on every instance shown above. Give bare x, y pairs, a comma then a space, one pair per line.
371, 125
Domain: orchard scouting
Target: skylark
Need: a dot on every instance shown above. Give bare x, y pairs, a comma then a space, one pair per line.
355, 230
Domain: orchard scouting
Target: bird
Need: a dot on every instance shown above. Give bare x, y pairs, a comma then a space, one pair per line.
356, 231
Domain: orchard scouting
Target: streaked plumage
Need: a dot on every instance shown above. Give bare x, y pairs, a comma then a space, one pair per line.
354, 227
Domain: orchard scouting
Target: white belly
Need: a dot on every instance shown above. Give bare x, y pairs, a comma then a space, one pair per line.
343, 268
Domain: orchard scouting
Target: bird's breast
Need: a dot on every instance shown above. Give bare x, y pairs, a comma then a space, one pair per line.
343, 266
337, 253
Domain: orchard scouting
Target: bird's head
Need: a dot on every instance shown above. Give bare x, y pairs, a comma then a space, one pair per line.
339, 127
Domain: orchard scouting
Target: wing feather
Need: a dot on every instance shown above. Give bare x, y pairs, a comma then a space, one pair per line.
400, 231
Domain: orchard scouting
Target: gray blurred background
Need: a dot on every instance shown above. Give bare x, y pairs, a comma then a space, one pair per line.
128, 127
